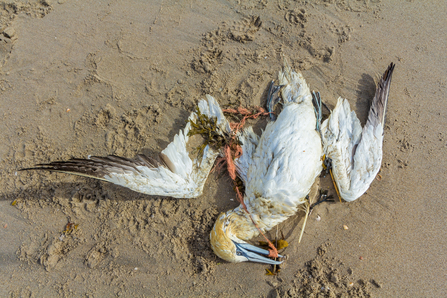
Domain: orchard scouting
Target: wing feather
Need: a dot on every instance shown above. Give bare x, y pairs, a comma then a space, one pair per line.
341, 134
377, 111
356, 153
176, 175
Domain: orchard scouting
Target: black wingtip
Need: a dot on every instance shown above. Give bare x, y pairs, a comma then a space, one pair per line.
75, 166
389, 72
96, 166
377, 112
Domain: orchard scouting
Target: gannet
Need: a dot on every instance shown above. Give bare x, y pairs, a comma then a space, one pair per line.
175, 176
278, 170
356, 153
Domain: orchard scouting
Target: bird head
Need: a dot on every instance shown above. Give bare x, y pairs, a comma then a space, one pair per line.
226, 245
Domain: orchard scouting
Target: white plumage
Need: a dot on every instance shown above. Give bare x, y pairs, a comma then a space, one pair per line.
177, 176
356, 153
278, 170
284, 165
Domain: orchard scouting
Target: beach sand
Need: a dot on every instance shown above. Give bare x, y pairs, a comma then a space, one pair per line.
82, 78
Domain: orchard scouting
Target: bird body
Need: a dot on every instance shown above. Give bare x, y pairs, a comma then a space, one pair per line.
278, 170
284, 166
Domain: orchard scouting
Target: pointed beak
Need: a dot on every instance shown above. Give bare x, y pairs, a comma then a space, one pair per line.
254, 254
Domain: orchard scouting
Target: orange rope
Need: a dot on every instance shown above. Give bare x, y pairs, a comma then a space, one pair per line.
233, 151
247, 115
273, 252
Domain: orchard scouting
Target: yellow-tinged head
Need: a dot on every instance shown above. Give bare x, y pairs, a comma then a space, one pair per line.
226, 245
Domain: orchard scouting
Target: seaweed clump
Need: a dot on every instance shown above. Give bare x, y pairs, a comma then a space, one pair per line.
207, 127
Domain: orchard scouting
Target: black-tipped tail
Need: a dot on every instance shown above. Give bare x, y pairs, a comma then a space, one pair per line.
377, 111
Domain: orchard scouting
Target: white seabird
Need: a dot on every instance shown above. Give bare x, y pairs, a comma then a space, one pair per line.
356, 153
278, 170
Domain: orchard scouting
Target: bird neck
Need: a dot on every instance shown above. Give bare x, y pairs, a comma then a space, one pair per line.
241, 225
265, 212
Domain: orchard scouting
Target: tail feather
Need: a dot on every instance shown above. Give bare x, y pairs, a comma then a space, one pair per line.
377, 111
295, 88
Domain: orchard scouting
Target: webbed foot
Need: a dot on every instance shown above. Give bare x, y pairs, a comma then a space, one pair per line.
273, 98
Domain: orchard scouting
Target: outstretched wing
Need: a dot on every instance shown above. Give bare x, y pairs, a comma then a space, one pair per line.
176, 175
356, 153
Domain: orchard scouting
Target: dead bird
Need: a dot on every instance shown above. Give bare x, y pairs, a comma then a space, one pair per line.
278, 170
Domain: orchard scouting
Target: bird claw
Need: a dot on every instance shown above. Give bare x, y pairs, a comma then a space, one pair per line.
322, 198
327, 164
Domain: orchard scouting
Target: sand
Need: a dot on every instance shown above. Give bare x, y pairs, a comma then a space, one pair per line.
83, 78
